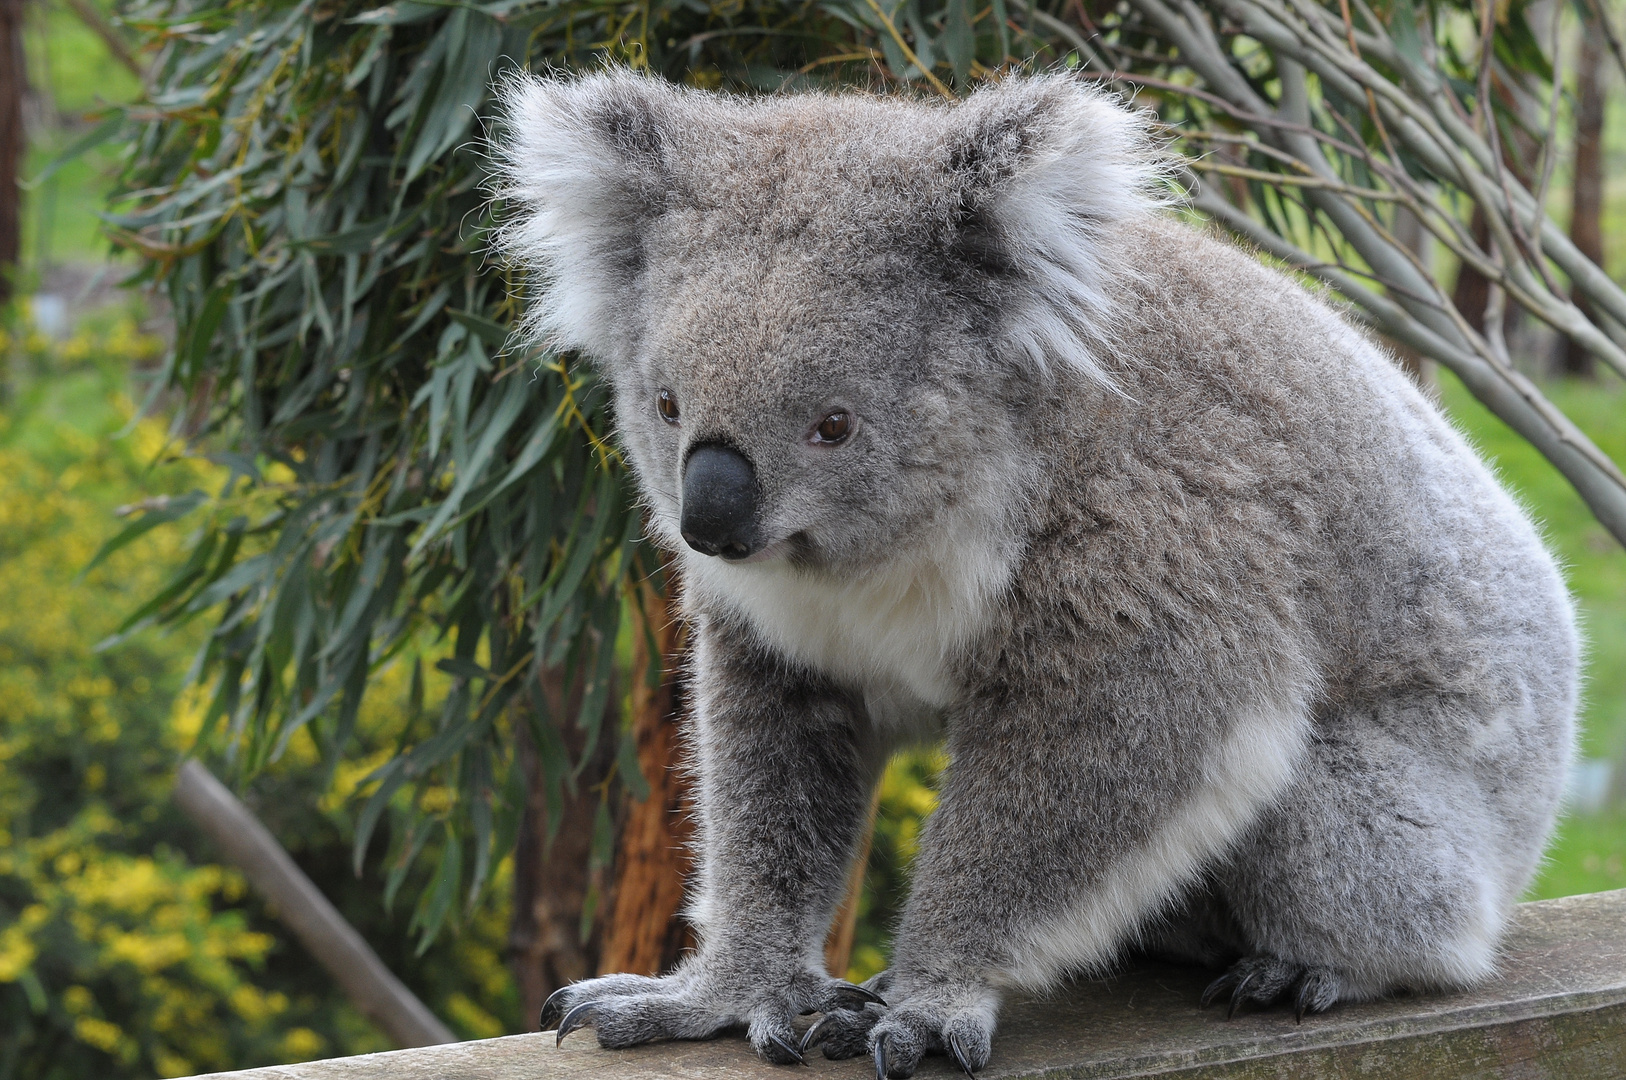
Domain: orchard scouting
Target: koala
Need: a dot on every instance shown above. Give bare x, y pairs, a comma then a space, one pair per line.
1239, 653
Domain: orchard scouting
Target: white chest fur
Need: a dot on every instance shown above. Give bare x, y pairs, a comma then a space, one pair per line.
890, 632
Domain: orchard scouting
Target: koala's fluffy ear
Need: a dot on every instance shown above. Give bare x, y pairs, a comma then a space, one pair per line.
582, 164
1042, 166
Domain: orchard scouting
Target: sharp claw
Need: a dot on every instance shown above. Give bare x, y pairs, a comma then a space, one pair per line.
880, 1058
958, 1053
1303, 1001
787, 1048
848, 995
551, 1009
1240, 993
1215, 989
575, 1018
811, 1037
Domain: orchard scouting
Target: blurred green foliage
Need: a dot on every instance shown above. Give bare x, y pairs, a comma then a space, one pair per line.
1588, 855
124, 949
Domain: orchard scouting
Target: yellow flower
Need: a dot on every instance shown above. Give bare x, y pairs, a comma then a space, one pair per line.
463, 1012
101, 1034
302, 1044
438, 799
171, 1064
17, 953
78, 1000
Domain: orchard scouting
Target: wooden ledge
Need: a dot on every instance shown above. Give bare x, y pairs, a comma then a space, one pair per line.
1557, 1010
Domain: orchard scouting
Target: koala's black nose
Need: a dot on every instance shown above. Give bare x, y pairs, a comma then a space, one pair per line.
719, 502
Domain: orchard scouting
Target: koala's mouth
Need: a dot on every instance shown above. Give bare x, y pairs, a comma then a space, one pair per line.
785, 547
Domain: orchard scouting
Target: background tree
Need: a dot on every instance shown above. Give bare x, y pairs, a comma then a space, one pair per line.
408, 489
13, 85
1586, 180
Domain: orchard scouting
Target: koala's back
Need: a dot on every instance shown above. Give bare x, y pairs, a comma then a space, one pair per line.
1264, 459
1303, 450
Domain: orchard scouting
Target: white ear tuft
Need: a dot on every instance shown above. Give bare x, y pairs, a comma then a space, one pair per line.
1049, 164
583, 162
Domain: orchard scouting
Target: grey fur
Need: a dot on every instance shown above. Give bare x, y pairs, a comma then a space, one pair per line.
1238, 649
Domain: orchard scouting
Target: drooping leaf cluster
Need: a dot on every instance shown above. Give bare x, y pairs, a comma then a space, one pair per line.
306, 186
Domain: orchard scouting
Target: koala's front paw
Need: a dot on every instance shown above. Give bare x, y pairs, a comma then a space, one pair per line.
626, 1010
953, 1020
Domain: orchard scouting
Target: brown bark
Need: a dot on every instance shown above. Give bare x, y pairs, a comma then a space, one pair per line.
1519, 151
13, 84
645, 932
1586, 205
1472, 289
552, 878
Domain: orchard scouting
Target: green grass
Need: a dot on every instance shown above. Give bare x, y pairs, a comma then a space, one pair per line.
1587, 855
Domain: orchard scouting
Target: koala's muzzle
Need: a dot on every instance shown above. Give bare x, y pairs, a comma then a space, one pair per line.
720, 498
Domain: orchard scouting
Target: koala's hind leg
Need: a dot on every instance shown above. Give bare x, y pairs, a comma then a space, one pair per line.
1196, 930
1391, 863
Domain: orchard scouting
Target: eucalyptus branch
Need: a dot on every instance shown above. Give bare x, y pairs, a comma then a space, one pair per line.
1437, 134
1502, 389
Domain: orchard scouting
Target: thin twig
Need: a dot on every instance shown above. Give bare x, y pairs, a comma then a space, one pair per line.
908, 53
1282, 179
1610, 34
115, 42
1549, 145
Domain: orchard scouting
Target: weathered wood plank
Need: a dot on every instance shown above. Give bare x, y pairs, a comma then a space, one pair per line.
1557, 1010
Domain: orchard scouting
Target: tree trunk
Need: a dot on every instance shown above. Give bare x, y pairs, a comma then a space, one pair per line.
1472, 290
13, 83
1519, 154
645, 933
1586, 204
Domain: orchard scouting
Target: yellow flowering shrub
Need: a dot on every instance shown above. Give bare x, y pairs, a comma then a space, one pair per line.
124, 950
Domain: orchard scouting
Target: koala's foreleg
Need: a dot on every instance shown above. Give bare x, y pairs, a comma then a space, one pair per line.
1062, 824
785, 772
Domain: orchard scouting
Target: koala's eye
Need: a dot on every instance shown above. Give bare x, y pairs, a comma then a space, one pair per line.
834, 428
666, 405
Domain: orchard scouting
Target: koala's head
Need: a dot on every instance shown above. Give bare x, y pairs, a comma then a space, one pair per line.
819, 313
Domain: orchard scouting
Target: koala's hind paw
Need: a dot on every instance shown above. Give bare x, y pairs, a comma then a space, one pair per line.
1265, 980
